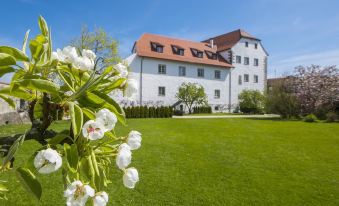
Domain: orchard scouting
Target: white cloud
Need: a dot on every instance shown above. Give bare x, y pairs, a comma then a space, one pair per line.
287, 64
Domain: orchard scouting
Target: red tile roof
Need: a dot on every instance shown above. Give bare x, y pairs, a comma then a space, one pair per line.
228, 40
143, 48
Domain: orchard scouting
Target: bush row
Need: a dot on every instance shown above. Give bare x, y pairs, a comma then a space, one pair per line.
148, 112
200, 110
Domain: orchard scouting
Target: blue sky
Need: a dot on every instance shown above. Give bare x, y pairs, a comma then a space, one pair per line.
294, 32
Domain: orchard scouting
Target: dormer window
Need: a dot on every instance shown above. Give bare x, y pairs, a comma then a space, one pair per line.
211, 55
156, 47
178, 50
197, 53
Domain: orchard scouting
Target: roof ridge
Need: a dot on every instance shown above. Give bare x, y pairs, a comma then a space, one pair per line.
176, 38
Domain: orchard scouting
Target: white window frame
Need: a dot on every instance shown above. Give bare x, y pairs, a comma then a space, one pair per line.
240, 79
217, 76
217, 94
246, 62
256, 62
161, 68
162, 91
238, 59
246, 79
203, 72
182, 71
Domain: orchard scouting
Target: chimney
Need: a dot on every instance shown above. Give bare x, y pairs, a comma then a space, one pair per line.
212, 43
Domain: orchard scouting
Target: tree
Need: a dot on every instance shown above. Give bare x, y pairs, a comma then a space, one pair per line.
251, 101
89, 145
99, 42
317, 89
191, 94
282, 100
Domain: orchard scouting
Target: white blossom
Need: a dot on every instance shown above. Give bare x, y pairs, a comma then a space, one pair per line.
131, 177
109, 119
89, 54
124, 156
84, 63
134, 140
132, 88
93, 129
47, 161
122, 69
70, 55
100, 199
77, 193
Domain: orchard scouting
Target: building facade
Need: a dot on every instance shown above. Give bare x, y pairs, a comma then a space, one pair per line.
224, 65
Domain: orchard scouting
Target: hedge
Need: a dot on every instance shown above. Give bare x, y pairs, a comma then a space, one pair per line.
200, 110
148, 112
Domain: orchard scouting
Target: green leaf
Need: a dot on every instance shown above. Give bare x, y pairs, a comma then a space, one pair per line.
88, 113
9, 101
29, 181
39, 85
16, 92
76, 118
43, 26
59, 137
24, 44
38, 109
97, 99
6, 60
6, 69
16, 53
37, 47
72, 157
13, 149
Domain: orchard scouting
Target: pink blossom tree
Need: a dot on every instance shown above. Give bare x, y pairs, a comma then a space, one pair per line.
316, 88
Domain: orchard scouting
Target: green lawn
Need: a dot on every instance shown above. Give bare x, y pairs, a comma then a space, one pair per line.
216, 162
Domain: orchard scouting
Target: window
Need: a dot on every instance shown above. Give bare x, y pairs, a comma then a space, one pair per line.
211, 55
238, 59
214, 56
197, 53
246, 78
256, 79
161, 69
156, 47
217, 74
256, 46
246, 61
240, 80
182, 71
178, 50
217, 94
161, 91
201, 72
246, 44
256, 62
216, 108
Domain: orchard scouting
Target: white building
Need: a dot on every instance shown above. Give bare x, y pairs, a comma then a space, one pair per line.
224, 65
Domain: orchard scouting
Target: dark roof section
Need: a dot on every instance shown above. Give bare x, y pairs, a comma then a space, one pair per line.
143, 48
228, 40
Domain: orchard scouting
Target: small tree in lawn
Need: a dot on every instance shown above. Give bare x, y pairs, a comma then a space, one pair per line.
90, 145
192, 94
251, 101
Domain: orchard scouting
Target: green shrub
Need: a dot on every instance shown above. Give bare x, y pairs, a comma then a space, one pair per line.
251, 101
178, 112
331, 117
310, 118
